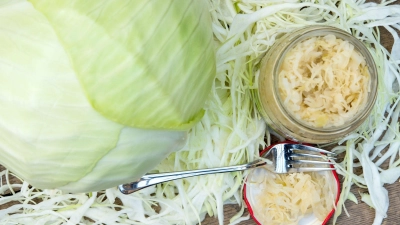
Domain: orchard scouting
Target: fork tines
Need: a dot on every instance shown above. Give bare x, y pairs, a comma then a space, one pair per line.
303, 158
309, 169
310, 149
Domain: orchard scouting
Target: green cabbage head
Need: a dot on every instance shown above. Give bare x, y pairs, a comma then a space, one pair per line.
96, 93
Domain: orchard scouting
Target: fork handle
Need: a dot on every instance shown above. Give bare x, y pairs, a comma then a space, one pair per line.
156, 178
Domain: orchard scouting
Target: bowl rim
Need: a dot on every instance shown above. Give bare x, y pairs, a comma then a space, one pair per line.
250, 209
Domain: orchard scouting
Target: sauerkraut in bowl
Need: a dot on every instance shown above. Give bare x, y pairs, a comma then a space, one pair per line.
316, 84
291, 199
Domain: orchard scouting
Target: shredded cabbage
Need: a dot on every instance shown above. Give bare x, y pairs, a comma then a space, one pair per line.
324, 81
231, 132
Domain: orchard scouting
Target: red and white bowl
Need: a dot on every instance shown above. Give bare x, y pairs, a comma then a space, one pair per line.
251, 190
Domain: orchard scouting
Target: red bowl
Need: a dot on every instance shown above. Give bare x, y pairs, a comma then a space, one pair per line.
250, 190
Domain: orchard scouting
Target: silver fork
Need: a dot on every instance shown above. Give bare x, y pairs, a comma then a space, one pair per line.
285, 157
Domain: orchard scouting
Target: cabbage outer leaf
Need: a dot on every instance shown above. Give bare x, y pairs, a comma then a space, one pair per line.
50, 135
147, 64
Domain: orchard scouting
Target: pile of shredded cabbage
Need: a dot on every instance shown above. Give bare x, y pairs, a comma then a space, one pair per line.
324, 81
231, 132
284, 199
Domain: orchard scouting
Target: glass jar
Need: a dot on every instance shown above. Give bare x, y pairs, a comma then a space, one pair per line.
270, 104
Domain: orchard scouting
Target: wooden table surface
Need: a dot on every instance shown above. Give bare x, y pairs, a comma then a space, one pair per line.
359, 213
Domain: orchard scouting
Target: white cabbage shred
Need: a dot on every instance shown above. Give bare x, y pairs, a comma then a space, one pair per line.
231, 132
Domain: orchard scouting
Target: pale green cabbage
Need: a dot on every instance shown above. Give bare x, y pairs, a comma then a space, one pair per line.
82, 83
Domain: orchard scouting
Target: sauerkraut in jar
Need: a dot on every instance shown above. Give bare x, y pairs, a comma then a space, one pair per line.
316, 84
324, 81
